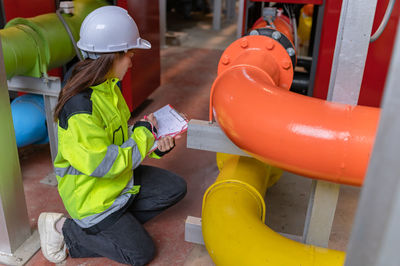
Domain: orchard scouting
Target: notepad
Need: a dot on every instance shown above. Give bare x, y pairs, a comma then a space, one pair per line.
170, 123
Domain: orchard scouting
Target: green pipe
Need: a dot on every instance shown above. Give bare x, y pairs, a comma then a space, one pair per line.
35, 45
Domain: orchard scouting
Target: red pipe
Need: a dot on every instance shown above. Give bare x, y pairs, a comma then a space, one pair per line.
304, 135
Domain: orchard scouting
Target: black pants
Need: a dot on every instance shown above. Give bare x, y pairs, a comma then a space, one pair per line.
126, 241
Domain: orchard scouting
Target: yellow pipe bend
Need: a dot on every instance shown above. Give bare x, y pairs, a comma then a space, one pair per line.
233, 221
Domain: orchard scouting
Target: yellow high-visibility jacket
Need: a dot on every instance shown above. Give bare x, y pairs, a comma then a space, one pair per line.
96, 154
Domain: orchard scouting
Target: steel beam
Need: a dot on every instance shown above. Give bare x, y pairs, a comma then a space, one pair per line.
241, 10
352, 42
217, 8
375, 238
351, 50
50, 88
206, 136
162, 5
14, 221
314, 63
50, 103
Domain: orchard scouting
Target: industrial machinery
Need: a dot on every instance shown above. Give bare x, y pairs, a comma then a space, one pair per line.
322, 43
316, 138
260, 99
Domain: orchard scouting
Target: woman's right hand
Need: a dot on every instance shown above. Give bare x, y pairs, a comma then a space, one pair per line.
166, 143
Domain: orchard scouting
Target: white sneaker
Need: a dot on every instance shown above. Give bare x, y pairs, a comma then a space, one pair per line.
51, 241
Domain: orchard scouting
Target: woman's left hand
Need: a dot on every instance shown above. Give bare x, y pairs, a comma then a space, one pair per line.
165, 143
152, 119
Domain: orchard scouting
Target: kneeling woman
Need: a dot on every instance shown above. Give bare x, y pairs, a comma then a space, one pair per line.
105, 189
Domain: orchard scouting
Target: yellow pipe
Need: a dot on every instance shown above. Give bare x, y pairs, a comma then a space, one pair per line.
233, 221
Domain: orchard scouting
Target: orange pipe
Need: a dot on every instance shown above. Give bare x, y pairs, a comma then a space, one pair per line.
304, 135
281, 23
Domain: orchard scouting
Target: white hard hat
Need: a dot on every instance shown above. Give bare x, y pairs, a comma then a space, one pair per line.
109, 29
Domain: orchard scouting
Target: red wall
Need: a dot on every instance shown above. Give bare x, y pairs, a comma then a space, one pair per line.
27, 8
378, 59
326, 47
144, 76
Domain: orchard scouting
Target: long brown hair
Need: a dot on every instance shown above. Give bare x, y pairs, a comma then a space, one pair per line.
85, 74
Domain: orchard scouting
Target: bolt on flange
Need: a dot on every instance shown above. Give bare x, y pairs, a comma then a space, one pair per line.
244, 43
276, 35
286, 64
270, 45
225, 60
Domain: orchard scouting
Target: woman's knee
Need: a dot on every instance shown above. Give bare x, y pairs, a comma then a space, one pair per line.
173, 184
179, 188
143, 255
162, 184
182, 187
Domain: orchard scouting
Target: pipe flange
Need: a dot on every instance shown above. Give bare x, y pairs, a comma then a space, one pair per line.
279, 37
257, 50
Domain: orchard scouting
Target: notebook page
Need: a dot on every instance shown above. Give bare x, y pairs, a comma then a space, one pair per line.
170, 123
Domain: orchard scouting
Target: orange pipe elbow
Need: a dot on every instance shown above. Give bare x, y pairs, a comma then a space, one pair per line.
304, 135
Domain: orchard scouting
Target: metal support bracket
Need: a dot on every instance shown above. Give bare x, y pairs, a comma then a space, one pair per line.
375, 238
320, 213
22, 255
49, 88
351, 50
205, 136
162, 5
230, 6
217, 14
15, 231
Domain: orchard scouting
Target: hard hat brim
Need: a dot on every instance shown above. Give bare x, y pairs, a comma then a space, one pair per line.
144, 44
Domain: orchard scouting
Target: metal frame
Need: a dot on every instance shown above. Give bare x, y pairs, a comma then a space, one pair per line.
50, 88
355, 25
57, 3
15, 230
320, 213
203, 135
217, 10
318, 31
242, 6
162, 5
217, 7
375, 238
230, 9
354, 28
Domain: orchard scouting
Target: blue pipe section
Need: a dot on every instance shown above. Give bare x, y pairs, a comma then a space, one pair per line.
29, 118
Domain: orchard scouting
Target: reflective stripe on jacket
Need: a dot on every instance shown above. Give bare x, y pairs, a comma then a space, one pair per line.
96, 157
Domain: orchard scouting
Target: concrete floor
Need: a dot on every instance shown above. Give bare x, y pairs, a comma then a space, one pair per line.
187, 74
